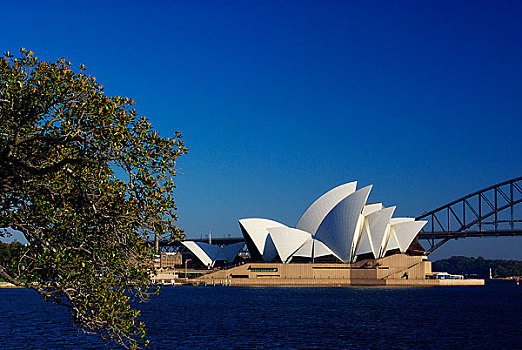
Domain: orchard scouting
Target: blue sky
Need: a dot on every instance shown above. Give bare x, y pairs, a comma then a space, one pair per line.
279, 102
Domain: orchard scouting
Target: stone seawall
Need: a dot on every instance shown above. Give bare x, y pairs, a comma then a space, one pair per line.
335, 282
396, 270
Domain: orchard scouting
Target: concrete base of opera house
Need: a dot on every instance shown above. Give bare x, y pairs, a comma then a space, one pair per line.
394, 270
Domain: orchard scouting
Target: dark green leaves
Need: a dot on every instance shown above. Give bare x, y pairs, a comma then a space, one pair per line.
86, 180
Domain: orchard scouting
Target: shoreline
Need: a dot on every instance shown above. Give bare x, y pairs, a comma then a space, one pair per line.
4, 285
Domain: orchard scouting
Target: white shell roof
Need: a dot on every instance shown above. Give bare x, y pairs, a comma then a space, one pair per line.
320, 249
313, 248
315, 214
394, 221
338, 227
378, 223
371, 208
338, 223
205, 252
287, 240
209, 254
306, 249
257, 229
406, 232
374, 233
229, 252
360, 240
393, 242
365, 243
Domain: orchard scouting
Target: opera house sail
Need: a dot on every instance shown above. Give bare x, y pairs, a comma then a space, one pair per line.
209, 254
339, 226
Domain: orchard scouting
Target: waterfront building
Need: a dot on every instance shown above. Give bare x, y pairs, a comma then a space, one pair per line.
338, 227
170, 260
339, 240
392, 270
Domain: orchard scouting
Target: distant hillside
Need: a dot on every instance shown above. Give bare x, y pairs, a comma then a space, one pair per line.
478, 267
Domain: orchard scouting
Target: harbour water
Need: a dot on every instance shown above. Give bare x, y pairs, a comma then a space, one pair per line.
486, 317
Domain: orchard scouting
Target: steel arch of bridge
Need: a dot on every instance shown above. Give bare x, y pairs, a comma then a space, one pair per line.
488, 212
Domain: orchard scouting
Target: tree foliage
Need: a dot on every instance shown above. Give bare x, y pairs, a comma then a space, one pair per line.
479, 267
86, 180
5, 253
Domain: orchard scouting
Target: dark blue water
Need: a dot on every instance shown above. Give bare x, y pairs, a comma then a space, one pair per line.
488, 317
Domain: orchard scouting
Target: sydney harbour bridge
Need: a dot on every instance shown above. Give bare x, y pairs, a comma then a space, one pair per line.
490, 212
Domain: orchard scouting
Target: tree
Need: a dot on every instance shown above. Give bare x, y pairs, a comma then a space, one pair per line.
5, 254
87, 181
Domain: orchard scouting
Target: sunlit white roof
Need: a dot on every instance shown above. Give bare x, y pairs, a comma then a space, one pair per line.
315, 214
378, 224
371, 208
338, 223
203, 251
361, 240
406, 232
208, 254
338, 227
306, 249
287, 240
320, 249
313, 248
393, 242
257, 231
365, 243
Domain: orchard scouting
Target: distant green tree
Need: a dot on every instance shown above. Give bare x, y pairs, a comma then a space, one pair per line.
500, 271
5, 254
86, 180
479, 266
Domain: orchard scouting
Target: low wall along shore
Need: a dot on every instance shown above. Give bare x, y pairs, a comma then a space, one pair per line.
395, 270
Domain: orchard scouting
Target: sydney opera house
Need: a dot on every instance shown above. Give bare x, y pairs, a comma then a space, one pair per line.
339, 240
339, 226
